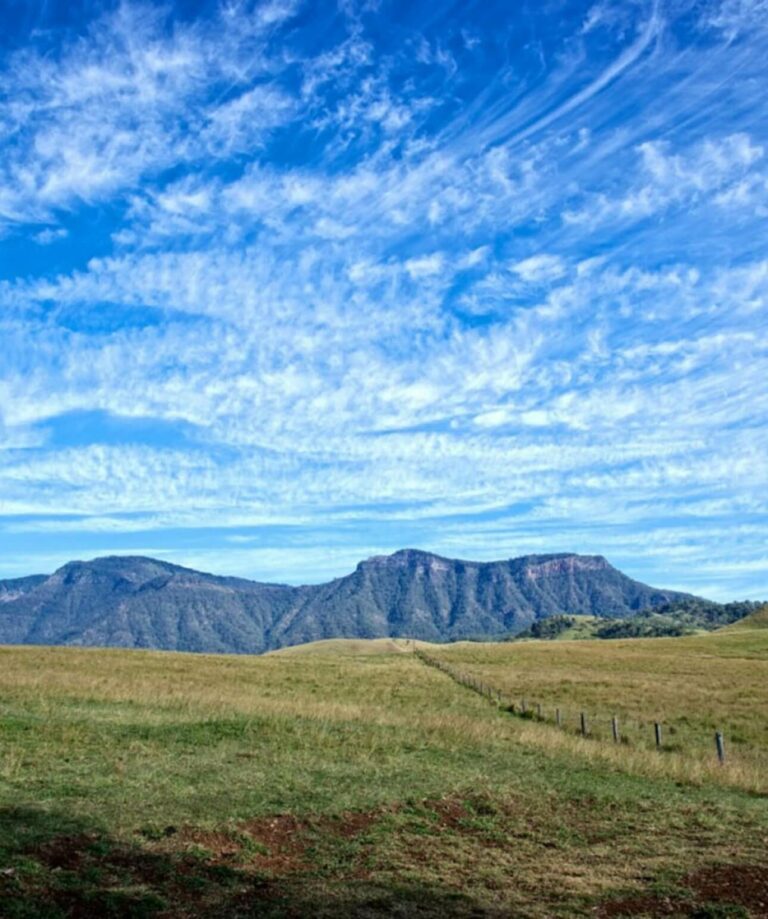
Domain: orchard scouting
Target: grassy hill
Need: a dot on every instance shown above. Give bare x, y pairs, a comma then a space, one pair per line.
346, 646
351, 779
757, 620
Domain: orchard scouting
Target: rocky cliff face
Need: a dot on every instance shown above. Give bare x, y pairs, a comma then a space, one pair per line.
144, 603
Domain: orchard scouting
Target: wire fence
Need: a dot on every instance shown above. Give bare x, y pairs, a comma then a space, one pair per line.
649, 734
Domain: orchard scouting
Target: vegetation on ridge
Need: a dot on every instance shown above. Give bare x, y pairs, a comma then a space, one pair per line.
670, 620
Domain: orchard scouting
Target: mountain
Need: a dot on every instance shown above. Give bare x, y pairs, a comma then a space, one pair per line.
17, 587
135, 602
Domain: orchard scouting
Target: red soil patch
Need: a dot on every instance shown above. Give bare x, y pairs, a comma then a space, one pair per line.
725, 885
282, 839
745, 885
451, 813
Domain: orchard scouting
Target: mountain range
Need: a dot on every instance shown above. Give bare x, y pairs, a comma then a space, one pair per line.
136, 602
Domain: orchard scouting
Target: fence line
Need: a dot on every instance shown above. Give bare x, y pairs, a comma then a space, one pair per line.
523, 709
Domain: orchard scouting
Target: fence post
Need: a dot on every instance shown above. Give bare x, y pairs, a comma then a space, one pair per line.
558, 719
538, 710
615, 729
583, 724
720, 744
522, 706
657, 734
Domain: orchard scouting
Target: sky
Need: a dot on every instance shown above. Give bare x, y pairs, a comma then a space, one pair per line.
287, 284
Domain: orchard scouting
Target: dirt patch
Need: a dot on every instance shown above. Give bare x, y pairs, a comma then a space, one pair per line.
718, 890
67, 853
284, 840
275, 844
284, 831
452, 813
745, 885
349, 824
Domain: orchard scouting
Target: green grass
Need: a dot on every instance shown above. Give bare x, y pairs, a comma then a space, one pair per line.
334, 781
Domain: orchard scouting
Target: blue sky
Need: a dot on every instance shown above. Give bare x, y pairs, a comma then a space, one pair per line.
287, 284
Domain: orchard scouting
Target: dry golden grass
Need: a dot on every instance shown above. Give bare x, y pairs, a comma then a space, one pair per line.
692, 686
343, 646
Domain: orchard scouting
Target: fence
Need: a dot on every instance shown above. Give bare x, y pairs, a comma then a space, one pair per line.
598, 728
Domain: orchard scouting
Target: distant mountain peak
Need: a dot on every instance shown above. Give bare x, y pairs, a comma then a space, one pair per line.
400, 559
552, 565
114, 562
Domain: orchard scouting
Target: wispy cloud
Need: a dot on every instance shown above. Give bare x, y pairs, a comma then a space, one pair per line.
377, 280
724, 172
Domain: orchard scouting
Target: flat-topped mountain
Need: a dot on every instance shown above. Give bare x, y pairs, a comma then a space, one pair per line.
136, 602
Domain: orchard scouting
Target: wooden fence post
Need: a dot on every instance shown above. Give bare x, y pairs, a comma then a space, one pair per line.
558, 719
615, 729
720, 744
583, 724
657, 734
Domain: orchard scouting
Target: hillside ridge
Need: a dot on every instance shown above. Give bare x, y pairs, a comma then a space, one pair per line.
142, 602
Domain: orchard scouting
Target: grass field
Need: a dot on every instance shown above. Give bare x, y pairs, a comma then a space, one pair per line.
351, 779
691, 686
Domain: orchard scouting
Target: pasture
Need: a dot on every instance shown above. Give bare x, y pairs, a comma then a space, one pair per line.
692, 687
351, 779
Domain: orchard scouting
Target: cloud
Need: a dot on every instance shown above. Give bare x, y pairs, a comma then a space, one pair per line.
130, 99
734, 17
540, 268
723, 172
425, 266
446, 289
50, 235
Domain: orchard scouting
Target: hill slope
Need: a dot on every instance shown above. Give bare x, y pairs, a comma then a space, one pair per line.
756, 620
136, 602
